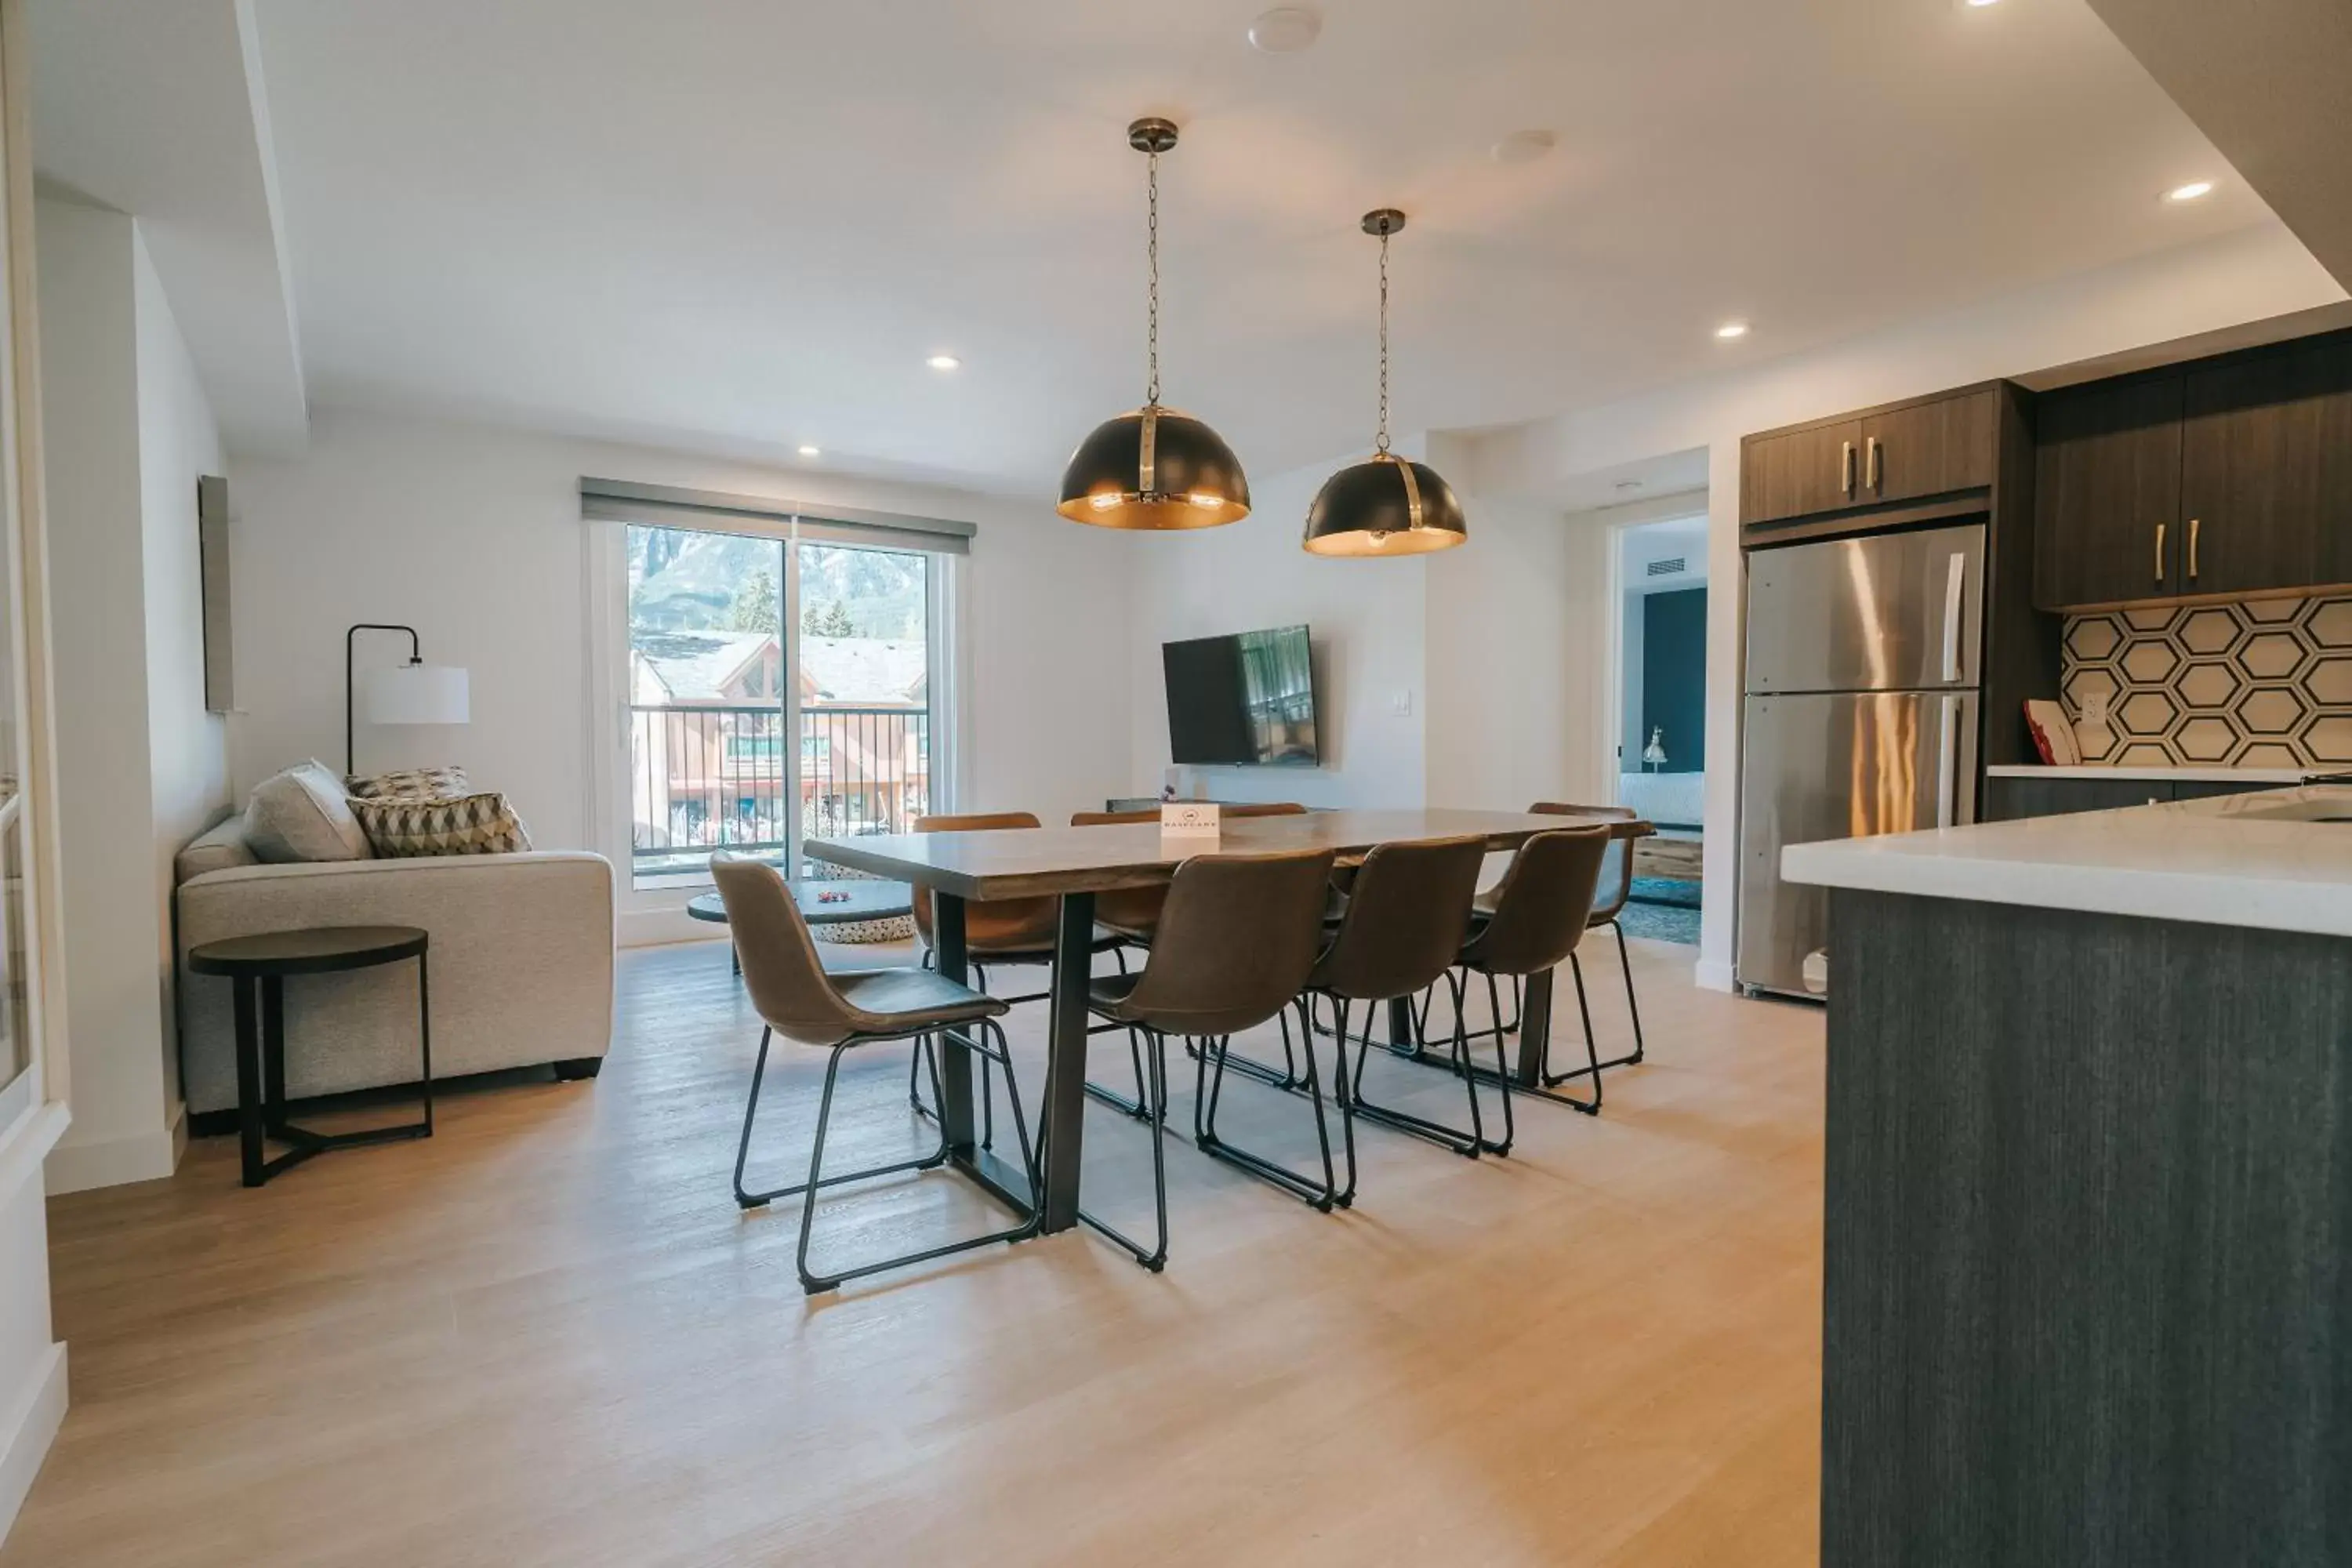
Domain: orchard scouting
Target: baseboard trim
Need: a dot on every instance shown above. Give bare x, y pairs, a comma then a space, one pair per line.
27, 1429
661, 928
111, 1162
1714, 975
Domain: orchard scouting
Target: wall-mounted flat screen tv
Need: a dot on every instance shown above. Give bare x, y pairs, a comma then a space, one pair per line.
1248, 699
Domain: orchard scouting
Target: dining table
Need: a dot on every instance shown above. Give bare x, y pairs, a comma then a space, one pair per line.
1074, 864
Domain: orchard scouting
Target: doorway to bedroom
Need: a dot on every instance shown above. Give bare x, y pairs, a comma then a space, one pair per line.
1662, 708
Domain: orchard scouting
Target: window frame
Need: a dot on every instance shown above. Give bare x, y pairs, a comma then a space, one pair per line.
605, 776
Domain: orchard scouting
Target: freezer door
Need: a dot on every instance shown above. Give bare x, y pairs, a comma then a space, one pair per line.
1889, 612
1837, 765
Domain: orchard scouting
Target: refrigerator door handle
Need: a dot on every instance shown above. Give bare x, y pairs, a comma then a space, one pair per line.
1948, 734
1956, 576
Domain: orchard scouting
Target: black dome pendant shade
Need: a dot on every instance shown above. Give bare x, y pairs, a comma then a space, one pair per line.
1385, 505
1154, 467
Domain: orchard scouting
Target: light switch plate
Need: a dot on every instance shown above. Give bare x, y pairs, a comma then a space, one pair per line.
1402, 703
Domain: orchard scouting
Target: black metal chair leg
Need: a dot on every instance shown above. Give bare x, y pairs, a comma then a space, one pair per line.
1156, 1103
1468, 1144
752, 1200
1592, 1062
1321, 1198
808, 1282
1633, 1003
991, 1045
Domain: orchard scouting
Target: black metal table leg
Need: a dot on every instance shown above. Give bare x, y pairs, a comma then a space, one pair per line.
1064, 1132
273, 1055
1535, 1032
959, 1111
248, 1082
425, 1040
1404, 1038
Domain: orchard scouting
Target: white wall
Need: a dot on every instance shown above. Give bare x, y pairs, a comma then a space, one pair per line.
472, 534
1365, 621
2244, 277
126, 433
187, 747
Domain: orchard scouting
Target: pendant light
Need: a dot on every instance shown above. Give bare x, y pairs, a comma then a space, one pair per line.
1155, 467
1385, 505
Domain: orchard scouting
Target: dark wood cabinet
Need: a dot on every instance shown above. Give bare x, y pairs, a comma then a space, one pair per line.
2010, 797
1930, 448
1796, 474
2106, 493
2266, 471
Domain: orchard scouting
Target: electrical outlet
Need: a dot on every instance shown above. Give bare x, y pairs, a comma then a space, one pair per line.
2094, 709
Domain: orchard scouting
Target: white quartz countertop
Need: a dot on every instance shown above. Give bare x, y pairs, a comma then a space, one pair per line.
2278, 860
2183, 776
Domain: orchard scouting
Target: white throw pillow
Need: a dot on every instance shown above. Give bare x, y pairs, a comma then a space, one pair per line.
302, 815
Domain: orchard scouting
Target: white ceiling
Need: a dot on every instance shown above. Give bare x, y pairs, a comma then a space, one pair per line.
156, 108
747, 222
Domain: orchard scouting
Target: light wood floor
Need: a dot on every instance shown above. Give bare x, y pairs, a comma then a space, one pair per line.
547, 1336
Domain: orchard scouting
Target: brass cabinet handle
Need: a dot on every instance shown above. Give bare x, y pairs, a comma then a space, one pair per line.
2159, 552
1872, 468
2192, 548
1845, 467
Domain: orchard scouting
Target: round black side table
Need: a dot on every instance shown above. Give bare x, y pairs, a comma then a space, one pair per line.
867, 899
261, 963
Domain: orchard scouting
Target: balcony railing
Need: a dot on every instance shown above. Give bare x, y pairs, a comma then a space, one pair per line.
706, 778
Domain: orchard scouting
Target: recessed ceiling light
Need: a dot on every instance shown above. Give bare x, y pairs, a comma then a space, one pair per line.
944, 361
1285, 30
1977, 5
1523, 146
2189, 192
808, 451
1732, 329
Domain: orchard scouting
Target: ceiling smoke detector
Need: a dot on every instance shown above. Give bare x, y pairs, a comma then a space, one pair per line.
1285, 30
1523, 146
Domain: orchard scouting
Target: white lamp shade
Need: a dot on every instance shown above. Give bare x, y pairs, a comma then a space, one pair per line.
415, 694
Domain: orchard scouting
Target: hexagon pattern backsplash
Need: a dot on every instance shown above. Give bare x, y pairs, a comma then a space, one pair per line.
2262, 684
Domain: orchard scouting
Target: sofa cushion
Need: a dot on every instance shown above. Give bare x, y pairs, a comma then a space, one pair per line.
470, 824
218, 848
411, 784
301, 814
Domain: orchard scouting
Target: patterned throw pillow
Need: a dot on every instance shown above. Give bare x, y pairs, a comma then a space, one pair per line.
413, 784
469, 825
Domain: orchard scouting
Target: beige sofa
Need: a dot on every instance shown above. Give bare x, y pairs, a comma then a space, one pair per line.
521, 964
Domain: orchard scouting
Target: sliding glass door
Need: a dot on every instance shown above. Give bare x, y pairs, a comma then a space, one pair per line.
778, 689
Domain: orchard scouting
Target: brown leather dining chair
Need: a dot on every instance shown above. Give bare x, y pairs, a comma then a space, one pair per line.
796, 999
1237, 939
1608, 902
1131, 917
1531, 921
1403, 931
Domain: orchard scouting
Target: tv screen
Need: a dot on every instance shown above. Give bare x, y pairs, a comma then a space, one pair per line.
1246, 698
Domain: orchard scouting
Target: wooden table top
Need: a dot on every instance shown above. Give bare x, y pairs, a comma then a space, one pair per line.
1025, 862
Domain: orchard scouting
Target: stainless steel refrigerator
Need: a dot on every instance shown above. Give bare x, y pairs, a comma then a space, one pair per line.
1861, 717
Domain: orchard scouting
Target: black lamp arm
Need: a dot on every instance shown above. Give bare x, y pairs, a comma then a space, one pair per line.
415, 656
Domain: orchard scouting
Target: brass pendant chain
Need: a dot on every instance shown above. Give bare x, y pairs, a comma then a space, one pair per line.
1380, 443
1151, 250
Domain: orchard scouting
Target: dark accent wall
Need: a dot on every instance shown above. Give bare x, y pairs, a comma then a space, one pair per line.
1673, 678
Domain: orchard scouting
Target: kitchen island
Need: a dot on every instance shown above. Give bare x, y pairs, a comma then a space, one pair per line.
2089, 1188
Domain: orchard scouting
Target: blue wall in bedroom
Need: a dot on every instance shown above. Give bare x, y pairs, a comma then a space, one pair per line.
1673, 678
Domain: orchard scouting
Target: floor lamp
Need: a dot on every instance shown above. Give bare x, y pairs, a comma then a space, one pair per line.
412, 693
